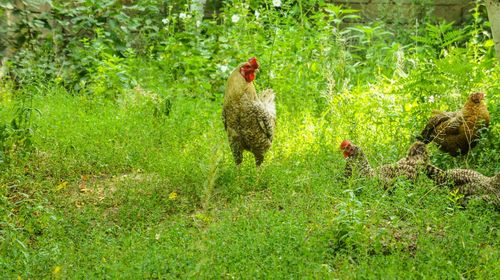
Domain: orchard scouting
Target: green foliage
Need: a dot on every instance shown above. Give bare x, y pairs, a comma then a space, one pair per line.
129, 172
17, 131
438, 38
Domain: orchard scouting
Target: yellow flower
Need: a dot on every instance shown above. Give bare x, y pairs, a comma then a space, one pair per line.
56, 270
61, 186
172, 196
202, 217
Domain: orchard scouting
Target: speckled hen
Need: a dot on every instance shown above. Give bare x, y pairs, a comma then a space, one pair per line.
249, 118
409, 166
469, 182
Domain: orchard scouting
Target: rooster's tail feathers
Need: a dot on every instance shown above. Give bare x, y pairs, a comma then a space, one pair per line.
267, 98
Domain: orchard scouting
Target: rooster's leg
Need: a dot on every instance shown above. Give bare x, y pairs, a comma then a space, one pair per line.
237, 153
259, 158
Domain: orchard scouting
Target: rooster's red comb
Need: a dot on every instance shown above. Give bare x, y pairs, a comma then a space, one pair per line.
253, 62
344, 144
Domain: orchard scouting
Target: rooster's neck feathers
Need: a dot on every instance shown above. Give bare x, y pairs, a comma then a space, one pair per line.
237, 87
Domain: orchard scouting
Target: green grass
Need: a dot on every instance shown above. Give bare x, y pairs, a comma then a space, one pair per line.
96, 199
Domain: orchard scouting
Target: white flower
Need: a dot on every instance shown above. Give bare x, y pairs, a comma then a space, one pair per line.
431, 99
257, 14
223, 68
235, 18
165, 21
198, 23
182, 15
277, 3
196, 7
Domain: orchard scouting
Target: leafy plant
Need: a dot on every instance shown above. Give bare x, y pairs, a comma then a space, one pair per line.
16, 135
456, 198
438, 39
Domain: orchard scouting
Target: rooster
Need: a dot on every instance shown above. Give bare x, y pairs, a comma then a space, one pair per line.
409, 166
249, 119
457, 132
469, 182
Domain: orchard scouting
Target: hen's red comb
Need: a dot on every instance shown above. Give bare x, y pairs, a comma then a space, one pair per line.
344, 144
253, 62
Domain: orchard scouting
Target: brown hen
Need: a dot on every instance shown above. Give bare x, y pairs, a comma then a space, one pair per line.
458, 132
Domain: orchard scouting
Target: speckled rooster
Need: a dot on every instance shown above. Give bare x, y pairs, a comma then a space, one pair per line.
469, 182
409, 166
249, 119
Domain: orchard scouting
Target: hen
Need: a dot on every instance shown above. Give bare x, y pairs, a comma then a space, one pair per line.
249, 119
457, 132
409, 166
469, 182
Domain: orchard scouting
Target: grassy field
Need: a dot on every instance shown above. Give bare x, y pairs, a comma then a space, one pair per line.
111, 191
137, 181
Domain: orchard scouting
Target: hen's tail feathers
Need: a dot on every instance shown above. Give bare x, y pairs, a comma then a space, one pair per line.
496, 181
267, 98
425, 135
418, 148
435, 173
